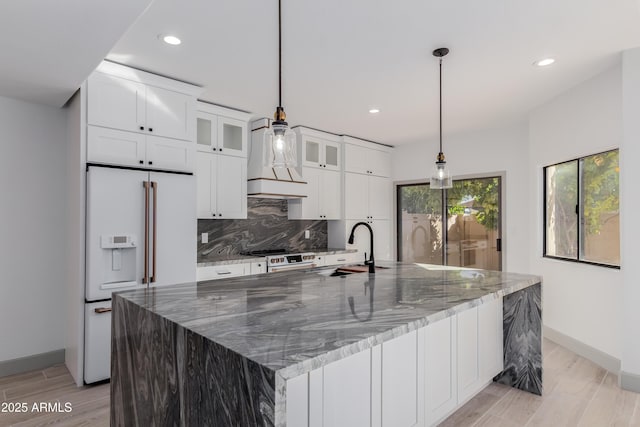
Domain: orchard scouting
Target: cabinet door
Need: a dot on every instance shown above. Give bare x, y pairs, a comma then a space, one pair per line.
469, 378
231, 187
312, 152
355, 159
347, 403
379, 163
402, 382
331, 155
379, 196
204, 180
207, 132
490, 339
169, 113
310, 206
356, 196
330, 195
232, 137
115, 147
440, 369
169, 154
116, 103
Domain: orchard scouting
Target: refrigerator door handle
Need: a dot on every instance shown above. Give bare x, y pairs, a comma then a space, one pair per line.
145, 279
154, 186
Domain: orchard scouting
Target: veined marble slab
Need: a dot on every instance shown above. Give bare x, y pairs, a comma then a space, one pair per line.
294, 322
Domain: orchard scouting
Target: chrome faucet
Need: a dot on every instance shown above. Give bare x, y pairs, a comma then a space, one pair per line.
370, 262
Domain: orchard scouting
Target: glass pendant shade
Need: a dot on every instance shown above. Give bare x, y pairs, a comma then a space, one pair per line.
280, 143
440, 177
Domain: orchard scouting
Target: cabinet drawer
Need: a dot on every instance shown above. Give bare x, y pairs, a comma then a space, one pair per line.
340, 259
221, 271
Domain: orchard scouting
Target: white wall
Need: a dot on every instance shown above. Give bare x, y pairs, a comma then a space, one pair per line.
481, 152
630, 226
579, 300
32, 225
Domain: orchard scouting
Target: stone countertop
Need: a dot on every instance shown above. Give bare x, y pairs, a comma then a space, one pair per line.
294, 322
226, 259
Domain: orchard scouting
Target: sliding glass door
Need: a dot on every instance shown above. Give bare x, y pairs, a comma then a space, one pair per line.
466, 217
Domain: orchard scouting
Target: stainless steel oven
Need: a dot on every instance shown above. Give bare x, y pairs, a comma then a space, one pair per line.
287, 262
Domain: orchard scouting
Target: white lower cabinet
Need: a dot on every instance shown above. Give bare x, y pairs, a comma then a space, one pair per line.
417, 379
222, 271
469, 379
402, 382
440, 397
347, 403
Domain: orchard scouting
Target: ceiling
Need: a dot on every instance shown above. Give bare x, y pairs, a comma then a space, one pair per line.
339, 58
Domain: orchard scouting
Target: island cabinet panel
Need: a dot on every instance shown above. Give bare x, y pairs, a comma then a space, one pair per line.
440, 369
347, 392
490, 342
469, 379
298, 401
402, 381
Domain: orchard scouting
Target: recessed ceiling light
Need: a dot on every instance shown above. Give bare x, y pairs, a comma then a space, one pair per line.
374, 111
544, 62
172, 40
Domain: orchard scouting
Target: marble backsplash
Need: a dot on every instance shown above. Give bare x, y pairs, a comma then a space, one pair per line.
267, 227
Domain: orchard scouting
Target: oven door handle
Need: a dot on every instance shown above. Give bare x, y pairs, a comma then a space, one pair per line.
288, 268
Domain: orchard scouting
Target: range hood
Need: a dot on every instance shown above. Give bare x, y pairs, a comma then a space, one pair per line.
267, 182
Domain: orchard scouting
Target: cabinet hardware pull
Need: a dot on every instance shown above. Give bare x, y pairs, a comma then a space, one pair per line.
141, 127
221, 149
150, 130
145, 279
342, 259
101, 310
215, 149
154, 187
223, 272
220, 214
150, 163
141, 162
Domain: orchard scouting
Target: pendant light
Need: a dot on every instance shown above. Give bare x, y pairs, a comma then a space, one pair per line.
440, 177
279, 139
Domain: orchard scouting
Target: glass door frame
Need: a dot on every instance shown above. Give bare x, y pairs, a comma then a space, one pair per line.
502, 220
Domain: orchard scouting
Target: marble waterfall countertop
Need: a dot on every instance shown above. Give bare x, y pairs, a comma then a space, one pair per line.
227, 259
294, 322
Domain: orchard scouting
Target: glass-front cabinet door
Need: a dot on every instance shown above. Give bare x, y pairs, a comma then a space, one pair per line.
331, 153
232, 137
207, 132
319, 153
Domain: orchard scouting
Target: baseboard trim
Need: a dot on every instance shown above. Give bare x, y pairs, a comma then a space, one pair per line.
598, 357
31, 363
629, 381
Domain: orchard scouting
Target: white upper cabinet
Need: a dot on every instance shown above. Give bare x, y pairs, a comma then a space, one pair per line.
319, 160
221, 166
323, 199
318, 149
130, 100
222, 186
366, 158
140, 119
219, 132
367, 197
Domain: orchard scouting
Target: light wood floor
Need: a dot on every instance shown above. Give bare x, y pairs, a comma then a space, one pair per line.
576, 393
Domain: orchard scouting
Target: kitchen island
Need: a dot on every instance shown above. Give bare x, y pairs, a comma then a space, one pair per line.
405, 346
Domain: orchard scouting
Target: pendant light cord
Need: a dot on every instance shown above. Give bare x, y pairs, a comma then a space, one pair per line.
280, 53
441, 105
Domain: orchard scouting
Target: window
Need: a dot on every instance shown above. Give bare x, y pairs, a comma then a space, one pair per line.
582, 219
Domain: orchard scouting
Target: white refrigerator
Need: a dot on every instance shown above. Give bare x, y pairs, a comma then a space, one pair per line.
140, 232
